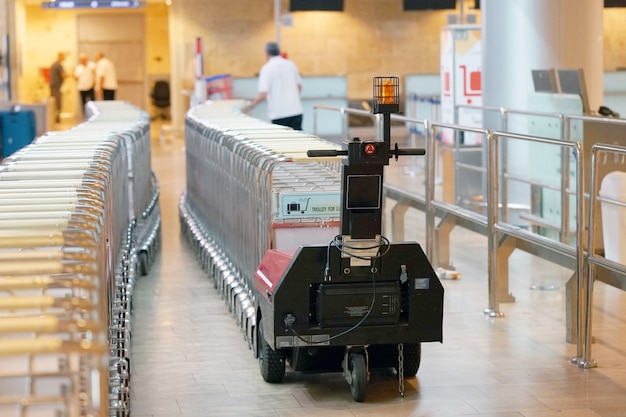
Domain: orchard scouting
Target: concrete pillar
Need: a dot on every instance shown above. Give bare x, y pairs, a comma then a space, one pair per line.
4, 17
520, 35
4, 30
8, 28
179, 62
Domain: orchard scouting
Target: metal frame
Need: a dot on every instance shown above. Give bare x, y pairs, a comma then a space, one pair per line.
611, 272
503, 237
83, 203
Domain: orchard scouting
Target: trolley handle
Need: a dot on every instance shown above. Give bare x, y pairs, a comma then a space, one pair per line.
325, 152
395, 152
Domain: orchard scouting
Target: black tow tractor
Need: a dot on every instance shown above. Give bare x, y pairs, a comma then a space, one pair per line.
360, 302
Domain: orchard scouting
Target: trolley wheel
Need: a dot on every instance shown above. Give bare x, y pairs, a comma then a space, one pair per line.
271, 363
358, 376
412, 359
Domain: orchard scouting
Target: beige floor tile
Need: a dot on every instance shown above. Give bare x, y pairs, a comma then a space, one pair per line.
190, 359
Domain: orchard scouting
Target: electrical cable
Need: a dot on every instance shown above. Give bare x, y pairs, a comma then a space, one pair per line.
340, 245
355, 326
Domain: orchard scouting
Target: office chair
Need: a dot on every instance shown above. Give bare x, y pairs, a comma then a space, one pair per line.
161, 98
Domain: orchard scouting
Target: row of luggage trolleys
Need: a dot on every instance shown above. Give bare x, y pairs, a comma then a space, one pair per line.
79, 219
263, 192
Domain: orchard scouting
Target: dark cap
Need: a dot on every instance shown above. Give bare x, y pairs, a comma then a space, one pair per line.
272, 49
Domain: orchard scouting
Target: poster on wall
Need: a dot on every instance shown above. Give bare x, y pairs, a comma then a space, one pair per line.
461, 83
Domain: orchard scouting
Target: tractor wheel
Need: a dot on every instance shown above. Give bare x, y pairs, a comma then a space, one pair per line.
358, 376
271, 363
412, 359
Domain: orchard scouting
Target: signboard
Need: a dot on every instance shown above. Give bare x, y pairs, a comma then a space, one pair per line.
307, 205
461, 80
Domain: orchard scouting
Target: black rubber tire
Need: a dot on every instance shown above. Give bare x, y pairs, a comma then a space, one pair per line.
358, 371
271, 363
412, 359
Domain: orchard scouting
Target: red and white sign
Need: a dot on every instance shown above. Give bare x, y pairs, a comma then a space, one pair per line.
461, 80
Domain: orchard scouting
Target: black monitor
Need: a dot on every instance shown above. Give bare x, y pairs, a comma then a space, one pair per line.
572, 81
363, 192
545, 81
614, 3
429, 4
310, 5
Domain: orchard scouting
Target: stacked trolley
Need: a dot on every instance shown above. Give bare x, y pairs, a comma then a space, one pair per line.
294, 246
76, 208
256, 198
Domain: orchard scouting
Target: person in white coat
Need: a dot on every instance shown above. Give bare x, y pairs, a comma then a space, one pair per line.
85, 75
280, 85
106, 77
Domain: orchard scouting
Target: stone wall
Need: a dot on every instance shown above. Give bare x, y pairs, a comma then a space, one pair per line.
371, 37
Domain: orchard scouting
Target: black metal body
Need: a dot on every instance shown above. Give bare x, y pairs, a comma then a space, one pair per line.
360, 293
405, 312
326, 300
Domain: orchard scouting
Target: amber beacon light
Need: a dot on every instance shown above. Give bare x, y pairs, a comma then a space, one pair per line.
386, 95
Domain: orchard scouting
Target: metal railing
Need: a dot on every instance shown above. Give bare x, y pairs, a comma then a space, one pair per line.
544, 247
504, 237
505, 126
599, 267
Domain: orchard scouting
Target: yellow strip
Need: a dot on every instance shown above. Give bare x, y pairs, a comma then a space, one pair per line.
15, 303
40, 324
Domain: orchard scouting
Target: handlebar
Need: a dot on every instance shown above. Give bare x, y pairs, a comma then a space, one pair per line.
325, 152
409, 151
395, 152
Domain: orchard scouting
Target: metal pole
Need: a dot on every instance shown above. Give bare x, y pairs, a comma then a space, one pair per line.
430, 189
378, 123
565, 156
277, 7
387, 127
492, 218
585, 286
344, 124
505, 166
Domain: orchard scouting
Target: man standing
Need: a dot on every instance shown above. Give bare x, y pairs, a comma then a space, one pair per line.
106, 78
280, 84
85, 74
57, 75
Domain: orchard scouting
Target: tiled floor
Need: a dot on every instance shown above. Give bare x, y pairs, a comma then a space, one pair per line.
189, 357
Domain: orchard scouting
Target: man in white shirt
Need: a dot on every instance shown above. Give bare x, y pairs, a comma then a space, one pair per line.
106, 78
85, 74
280, 84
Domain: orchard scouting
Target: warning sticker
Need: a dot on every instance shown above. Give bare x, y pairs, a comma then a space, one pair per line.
310, 205
422, 283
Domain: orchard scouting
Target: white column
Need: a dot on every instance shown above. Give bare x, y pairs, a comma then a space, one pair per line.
520, 35
8, 27
178, 63
277, 20
4, 17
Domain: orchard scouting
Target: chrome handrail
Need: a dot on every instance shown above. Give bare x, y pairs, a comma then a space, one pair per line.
584, 359
494, 227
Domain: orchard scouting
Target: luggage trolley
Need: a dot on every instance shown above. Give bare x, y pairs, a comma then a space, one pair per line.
67, 233
358, 302
52, 299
